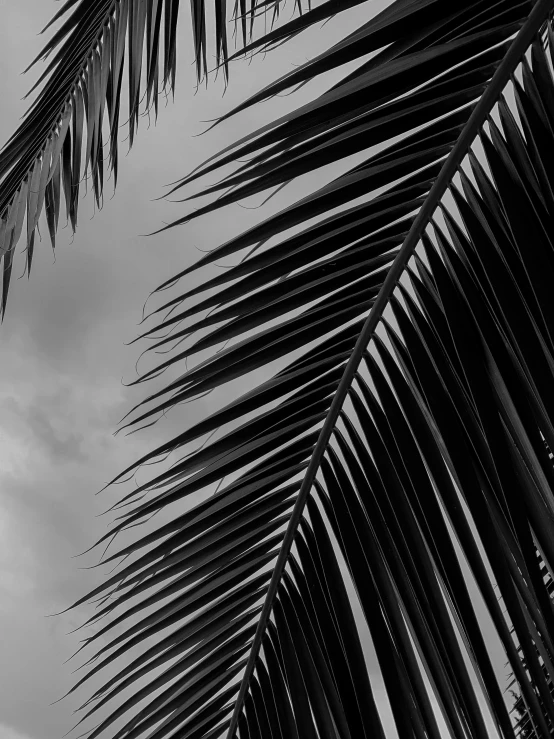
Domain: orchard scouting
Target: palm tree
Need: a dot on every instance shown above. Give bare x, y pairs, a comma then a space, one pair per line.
398, 456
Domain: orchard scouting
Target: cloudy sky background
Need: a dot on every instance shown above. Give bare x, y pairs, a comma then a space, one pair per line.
63, 353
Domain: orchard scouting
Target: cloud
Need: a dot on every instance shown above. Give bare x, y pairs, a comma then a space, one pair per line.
49, 422
6, 732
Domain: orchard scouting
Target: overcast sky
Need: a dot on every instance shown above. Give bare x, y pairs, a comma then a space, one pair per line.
63, 353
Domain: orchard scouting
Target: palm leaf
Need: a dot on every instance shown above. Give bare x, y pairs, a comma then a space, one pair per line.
61, 139
403, 444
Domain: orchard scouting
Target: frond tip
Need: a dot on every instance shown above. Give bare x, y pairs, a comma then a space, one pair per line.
60, 141
64, 139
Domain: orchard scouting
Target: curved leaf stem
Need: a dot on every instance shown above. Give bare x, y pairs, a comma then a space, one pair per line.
501, 77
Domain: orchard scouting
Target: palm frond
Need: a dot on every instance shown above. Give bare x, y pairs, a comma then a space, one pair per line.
401, 448
70, 132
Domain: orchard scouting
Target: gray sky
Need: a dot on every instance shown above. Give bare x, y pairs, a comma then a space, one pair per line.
63, 355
